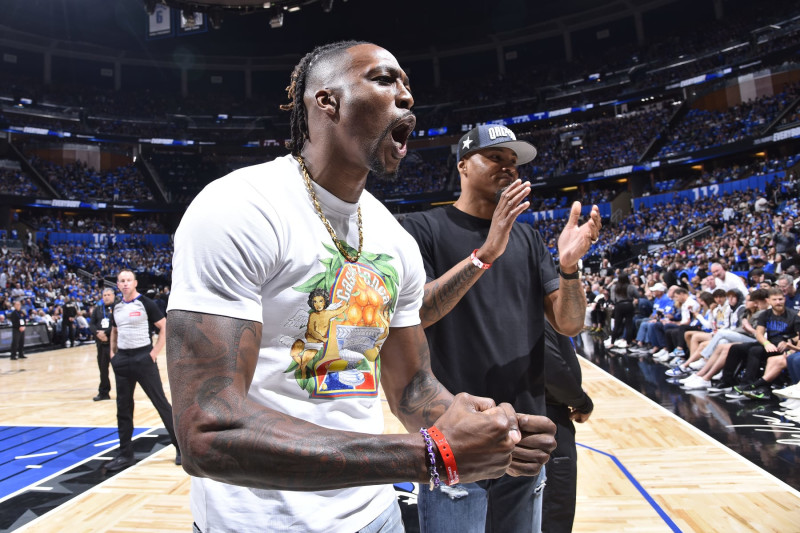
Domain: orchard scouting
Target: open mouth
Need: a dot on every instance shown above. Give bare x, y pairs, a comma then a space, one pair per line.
400, 134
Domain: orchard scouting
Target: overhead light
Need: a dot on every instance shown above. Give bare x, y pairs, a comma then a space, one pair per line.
293, 9
276, 21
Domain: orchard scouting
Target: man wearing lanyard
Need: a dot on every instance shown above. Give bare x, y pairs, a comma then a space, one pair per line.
133, 357
100, 324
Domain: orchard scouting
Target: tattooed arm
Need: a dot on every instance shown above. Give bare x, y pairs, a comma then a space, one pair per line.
225, 436
443, 293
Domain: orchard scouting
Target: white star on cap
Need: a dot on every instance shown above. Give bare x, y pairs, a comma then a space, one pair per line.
467, 142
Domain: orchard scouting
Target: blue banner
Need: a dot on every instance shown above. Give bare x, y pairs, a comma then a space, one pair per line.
102, 239
757, 183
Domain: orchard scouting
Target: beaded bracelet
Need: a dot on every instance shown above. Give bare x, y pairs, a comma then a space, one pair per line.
435, 482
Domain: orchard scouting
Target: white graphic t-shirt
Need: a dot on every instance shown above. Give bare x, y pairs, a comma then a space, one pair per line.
251, 246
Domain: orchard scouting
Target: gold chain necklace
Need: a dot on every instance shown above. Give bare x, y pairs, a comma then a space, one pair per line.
327, 224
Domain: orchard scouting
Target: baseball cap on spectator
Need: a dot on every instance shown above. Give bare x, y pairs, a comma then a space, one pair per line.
495, 135
658, 287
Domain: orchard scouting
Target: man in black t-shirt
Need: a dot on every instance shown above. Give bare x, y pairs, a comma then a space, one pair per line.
774, 328
485, 326
133, 358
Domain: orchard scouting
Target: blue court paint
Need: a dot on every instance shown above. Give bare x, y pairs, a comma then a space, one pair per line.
71, 444
672, 525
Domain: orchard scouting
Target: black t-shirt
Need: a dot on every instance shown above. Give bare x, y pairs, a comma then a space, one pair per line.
492, 342
779, 327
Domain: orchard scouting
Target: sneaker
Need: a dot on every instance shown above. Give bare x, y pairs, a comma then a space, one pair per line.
792, 392
660, 353
699, 383
101, 397
607, 343
676, 361
663, 358
639, 350
759, 393
741, 389
621, 343
678, 352
676, 372
119, 463
790, 404
733, 395
688, 378
697, 365
717, 376
720, 386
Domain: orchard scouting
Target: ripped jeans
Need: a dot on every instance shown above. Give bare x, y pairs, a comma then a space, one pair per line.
495, 505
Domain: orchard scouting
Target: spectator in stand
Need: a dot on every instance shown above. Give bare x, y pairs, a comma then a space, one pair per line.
720, 278
71, 310
624, 297
785, 283
774, 329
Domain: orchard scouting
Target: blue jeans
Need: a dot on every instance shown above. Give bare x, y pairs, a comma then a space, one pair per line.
793, 365
495, 505
725, 335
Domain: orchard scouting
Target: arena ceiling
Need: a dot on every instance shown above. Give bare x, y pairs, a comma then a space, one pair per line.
405, 26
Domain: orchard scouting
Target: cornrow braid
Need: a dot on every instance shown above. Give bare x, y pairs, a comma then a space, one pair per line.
298, 121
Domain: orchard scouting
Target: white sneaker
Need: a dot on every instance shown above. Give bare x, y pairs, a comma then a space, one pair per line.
676, 361
621, 343
661, 353
687, 379
697, 365
717, 376
607, 343
792, 392
699, 383
790, 404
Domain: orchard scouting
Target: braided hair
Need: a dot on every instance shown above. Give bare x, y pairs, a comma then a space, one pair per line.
297, 87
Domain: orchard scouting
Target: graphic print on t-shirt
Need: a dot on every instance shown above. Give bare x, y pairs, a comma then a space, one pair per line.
349, 309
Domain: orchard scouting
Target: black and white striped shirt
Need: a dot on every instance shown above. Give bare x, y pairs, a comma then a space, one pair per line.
134, 320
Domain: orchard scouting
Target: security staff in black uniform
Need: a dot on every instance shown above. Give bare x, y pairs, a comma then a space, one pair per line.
17, 318
100, 324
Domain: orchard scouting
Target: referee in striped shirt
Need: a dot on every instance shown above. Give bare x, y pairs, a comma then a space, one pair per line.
134, 359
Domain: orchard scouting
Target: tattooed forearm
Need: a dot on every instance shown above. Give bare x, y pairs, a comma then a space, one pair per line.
570, 307
423, 401
225, 436
442, 294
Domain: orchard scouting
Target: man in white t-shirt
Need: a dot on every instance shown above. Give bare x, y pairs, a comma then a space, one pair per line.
722, 279
295, 295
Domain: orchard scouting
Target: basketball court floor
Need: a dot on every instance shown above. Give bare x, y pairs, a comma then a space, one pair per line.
652, 458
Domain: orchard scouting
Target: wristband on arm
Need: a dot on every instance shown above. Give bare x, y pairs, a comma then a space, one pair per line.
446, 452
